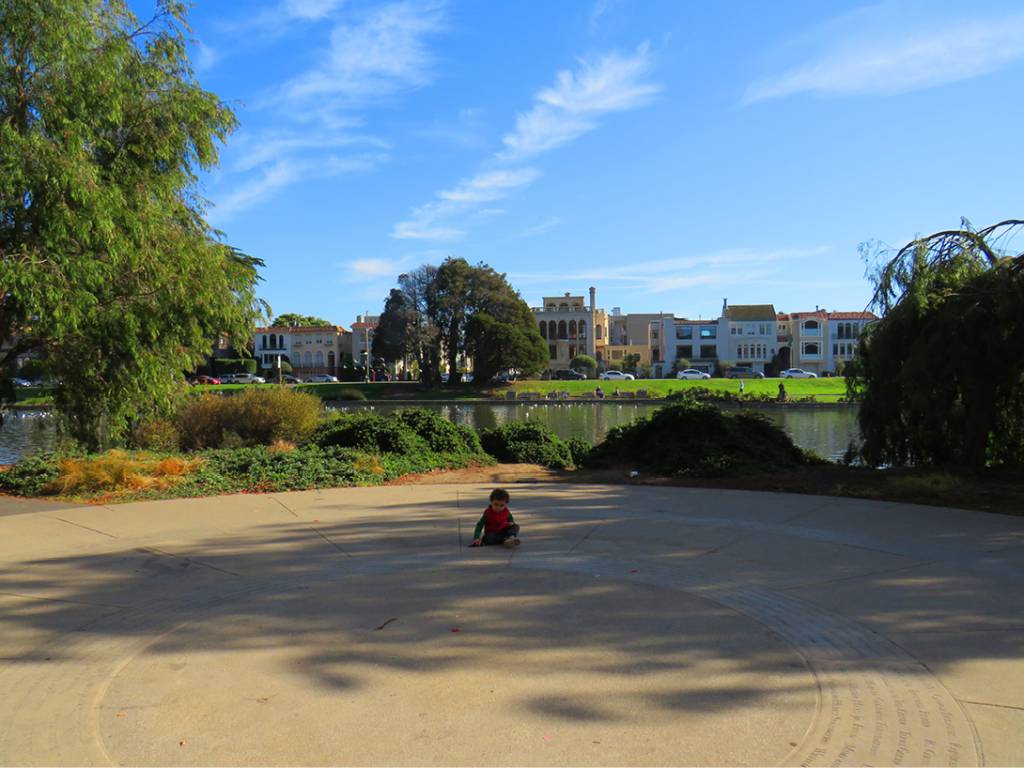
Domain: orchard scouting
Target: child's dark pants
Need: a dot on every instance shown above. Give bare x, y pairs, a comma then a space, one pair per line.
498, 537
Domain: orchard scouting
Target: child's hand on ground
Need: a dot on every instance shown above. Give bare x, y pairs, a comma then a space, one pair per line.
476, 543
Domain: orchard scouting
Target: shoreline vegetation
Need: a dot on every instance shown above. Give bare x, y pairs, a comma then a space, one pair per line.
275, 439
756, 391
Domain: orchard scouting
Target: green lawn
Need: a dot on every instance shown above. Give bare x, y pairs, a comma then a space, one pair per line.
825, 390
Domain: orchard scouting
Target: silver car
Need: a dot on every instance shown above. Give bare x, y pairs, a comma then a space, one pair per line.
797, 373
692, 373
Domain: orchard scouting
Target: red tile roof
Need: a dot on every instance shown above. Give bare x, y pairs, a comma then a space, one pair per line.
852, 316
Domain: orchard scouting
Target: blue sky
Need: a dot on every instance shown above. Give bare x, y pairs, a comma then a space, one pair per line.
672, 154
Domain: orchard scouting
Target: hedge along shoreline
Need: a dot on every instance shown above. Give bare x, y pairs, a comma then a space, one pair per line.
279, 440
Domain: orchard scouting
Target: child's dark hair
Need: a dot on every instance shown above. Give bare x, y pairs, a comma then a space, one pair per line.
499, 494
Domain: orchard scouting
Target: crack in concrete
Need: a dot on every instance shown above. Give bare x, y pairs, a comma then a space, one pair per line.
79, 525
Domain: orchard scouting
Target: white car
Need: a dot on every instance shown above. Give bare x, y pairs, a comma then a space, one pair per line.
797, 373
692, 373
321, 378
246, 378
617, 376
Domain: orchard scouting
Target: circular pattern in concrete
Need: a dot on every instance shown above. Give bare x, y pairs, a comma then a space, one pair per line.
635, 626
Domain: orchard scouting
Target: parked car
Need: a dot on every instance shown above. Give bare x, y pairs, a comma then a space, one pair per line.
692, 373
22, 383
321, 378
797, 373
568, 374
207, 380
246, 378
745, 373
289, 379
617, 376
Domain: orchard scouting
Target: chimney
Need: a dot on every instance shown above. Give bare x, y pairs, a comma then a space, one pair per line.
725, 305
593, 298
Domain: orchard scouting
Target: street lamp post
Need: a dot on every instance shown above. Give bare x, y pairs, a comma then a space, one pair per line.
366, 330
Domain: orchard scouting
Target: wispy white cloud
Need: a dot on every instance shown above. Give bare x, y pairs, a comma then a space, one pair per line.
370, 56
310, 10
467, 131
205, 57
373, 267
376, 57
573, 105
598, 10
425, 224
254, 190
538, 229
254, 150
490, 185
662, 275
881, 50
269, 178
561, 113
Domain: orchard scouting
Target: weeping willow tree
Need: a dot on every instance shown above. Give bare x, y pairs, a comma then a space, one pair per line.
940, 378
108, 268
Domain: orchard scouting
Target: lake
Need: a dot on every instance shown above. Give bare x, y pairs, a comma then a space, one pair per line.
826, 431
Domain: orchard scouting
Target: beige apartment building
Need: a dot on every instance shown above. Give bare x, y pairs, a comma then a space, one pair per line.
571, 327
309, 350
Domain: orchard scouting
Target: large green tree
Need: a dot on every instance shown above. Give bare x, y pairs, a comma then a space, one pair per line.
405, 328
107, 265
293, 320
940, 377
457, 309
480, 314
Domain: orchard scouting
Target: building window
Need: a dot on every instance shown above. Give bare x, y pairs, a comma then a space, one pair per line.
563, 330
684, 351
684, 331
811, 349
582, 330
598, 332
709, 332
552, 351
263, 344
616, 354
543, 329
708, 351
308, 358
572, 329
280, 342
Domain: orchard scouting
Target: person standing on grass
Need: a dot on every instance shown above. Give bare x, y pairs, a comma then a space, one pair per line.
496, 525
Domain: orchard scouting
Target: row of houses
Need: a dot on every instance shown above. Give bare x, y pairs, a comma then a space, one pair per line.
314, 349
752, 336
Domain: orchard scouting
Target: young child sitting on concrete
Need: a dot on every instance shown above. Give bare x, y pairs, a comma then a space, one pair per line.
496, 525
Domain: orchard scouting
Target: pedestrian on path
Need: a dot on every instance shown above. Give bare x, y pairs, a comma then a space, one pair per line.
496, 525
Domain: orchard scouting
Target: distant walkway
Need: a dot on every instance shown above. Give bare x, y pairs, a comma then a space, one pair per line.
635, 625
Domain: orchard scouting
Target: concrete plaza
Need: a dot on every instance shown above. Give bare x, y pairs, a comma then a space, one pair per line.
635, 626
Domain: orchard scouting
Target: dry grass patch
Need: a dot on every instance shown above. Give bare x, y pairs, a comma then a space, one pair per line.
118, 471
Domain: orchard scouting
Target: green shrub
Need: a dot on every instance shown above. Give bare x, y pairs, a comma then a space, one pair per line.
440, 435
579, 449
699, 439
156, 435
261, 416
522, 442
31, 476
200, 422
257, 416
368, 432
350, 394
